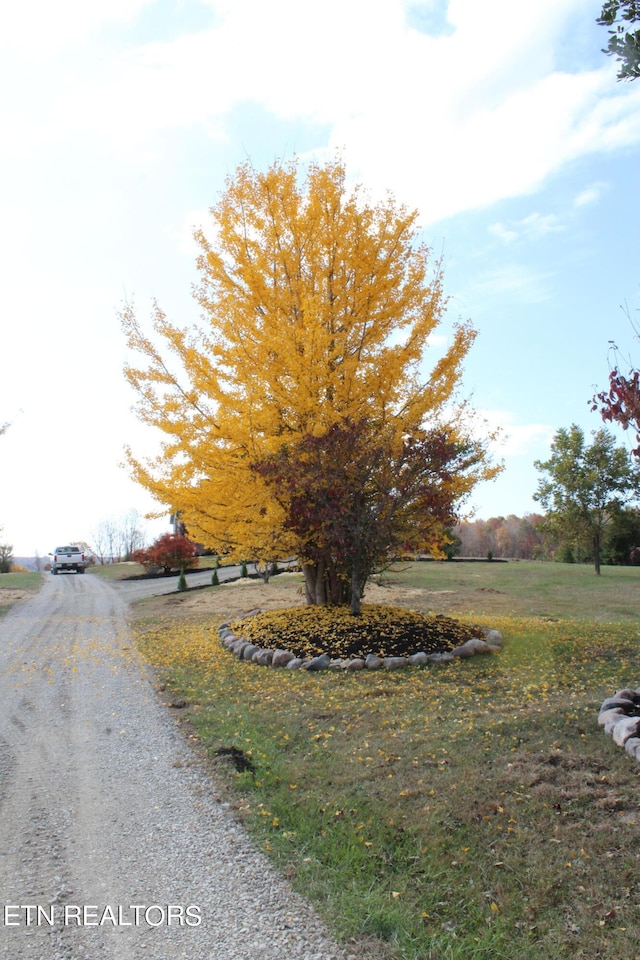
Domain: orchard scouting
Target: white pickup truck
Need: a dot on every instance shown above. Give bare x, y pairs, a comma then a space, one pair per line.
68, 558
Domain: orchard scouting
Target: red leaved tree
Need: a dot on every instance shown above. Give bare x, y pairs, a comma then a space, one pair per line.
352, 497
171, 551
621, 402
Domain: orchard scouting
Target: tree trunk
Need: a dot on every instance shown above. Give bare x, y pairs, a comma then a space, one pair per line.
314, 583
323, 584
355, 607
596, 553
339, 587
357, 589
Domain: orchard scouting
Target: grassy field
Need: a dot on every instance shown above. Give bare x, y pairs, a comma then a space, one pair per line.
525, 589
17, 586
473, 810
116, 571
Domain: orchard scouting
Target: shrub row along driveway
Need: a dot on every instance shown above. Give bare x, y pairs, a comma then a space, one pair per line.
112, 842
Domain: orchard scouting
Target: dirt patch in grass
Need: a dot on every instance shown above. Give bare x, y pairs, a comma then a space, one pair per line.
561, 779
225, 602
231, 601
12, 595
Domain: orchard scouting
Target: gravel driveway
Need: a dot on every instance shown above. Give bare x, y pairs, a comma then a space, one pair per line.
112, 841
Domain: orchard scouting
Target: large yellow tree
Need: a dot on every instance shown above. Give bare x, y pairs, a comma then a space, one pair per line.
317, 306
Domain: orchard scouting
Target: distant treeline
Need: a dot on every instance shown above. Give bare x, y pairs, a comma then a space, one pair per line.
529, 538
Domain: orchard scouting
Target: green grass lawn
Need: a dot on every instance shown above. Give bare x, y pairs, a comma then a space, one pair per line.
116, 571
472, 810
13, 586
525, 588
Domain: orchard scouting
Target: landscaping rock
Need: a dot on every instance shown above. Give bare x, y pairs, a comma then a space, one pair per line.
263, 657
611, 703
418, 659
627, 700
372, 662
632, 746
609, 719
465, 650
494, 638
444, 657
480, 646
620, 717
625, 727
318, 663
281, 658
611, 713
395, 663
356, 664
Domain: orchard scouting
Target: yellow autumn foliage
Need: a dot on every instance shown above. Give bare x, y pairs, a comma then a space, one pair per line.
317, 307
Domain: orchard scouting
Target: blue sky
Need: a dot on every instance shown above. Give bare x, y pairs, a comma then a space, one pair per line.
120, 122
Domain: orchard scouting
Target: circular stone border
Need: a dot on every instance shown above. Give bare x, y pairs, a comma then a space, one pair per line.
491, 643
620, 717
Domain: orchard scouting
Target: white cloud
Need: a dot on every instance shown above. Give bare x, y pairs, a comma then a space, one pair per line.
520, 283
538, 224
590, 195
453, 122
43, 28
531, 227
504, 233
452, 160
518, 439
